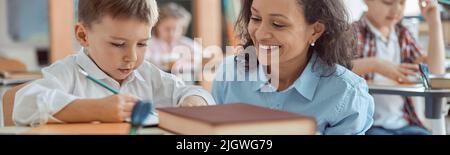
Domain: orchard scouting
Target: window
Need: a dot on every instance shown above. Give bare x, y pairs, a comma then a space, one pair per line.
28, 22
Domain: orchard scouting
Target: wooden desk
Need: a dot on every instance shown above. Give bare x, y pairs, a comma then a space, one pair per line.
81, 129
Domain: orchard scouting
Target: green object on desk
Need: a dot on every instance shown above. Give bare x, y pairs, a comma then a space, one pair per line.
133, 130
101, 83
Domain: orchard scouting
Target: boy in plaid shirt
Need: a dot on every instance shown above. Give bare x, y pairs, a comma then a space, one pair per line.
386, 50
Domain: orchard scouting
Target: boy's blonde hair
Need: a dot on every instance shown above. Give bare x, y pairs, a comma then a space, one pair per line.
90, 11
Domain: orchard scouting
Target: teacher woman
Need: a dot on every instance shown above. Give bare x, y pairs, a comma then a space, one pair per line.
296, 58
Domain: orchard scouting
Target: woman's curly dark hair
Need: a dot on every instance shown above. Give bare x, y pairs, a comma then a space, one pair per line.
335, 44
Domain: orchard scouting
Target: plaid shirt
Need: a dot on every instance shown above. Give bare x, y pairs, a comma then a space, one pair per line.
410, 53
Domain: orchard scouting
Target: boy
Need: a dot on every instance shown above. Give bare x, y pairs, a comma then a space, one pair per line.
114, 35
387, 50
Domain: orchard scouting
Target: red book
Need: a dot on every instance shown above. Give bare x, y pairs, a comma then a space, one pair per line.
234, 119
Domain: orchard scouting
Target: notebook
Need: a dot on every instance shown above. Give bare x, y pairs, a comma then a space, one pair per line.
151, 121
234, 119
439, 81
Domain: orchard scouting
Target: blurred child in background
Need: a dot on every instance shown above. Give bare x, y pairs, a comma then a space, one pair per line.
386, 50
169, 48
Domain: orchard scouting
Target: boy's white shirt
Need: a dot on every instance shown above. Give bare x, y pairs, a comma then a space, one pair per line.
37, 102
388, 108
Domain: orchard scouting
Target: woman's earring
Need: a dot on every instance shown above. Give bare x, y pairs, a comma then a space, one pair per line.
313, 44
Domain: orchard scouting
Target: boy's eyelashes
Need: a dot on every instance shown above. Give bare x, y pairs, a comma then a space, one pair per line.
121, 45
392, 2
388, 2
142, 44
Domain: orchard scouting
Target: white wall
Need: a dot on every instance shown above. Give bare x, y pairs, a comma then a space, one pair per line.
355, 8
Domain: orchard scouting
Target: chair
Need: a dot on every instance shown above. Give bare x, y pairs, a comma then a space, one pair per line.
8, 104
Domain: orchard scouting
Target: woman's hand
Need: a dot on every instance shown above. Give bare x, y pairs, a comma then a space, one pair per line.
193, 101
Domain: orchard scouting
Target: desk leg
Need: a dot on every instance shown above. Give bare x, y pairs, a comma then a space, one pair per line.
438, 126
435, 114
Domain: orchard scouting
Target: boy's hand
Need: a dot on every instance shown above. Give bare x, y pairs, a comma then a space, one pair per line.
116, 108
193, 101
396, 72
430, 10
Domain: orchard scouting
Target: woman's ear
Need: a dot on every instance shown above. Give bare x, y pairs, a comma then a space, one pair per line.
318, 29
81, 34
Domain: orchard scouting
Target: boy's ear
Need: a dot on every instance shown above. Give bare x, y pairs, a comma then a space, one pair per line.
318, 29
81, 34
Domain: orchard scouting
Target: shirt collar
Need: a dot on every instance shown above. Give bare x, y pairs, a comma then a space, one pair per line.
308, 81
93, 70
306, 84
378, 34
262, 79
